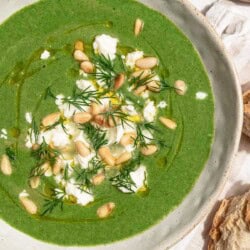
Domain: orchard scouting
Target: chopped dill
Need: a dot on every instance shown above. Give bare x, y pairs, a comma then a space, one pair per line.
55, 201
34, 131
10, 152
105, 71
96, 135
139, 81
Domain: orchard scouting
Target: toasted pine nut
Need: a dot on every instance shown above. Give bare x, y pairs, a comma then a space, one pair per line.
140, 90
35, 182
123, 158
105, 210
141, 73
79, 45
154, 86
128, 138
82, 149
98, 179
147, 62
87, 67
100, 120
119, 81
180, 87
113, 122
35, 147
57, 166
51, 119
29, 205
106, 156
6, 167
80, 56
149, 150
168, 123
82, 117
96, 108
138, 26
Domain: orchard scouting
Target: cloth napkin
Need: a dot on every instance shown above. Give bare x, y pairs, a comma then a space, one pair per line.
231, 20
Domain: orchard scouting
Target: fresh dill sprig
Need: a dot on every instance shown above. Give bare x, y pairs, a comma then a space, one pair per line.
139, 81
105, 71
66, 173
45, 153
115, 114
34, 131
96, 135
49, 93
164, 85
82, 98
141, 139
60, 122
10, 152
123, 179
83, 176
55, 201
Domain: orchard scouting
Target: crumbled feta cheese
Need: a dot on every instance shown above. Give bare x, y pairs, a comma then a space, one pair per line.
28, 117
67, 109
23, 194
30, 138
162, 105
139, 177
106, 45
148, 136
82, 137
131, 58
201, 95
45, 55
4, 134
85, 84
129, 109
84, 161
149, 111
83, 198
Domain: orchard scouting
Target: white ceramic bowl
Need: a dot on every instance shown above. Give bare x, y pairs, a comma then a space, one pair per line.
228, 122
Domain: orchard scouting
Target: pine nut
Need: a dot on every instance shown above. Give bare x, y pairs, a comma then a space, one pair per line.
123, 158
6, 167
127, 139
105, 210
51, 119
100, 120
82, 149
147, 62
140, 90
141, 73
57, 166
168, 123
113, 121
35, 182
154, 86
119, 81
87, 67
180, 87
29, 205
82, 117
98, 179
96, 108
138, 26
79, 45
149, 150
35, 147
106, 156
80, 56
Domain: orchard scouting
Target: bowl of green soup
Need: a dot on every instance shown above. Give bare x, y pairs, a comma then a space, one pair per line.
119, 122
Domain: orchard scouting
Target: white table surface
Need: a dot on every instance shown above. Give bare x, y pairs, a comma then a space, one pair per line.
231, 20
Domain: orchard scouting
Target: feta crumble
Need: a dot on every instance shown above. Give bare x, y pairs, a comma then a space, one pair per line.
131, 58
105, 45
45, 55
149, 111
4, 134
162, 105
139, 177
28, 117
201, 95
85, 84
83, 198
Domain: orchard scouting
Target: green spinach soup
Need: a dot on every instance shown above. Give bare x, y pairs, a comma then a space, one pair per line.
106, 120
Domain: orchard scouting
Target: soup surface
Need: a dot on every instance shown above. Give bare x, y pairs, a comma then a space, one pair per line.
102, 130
